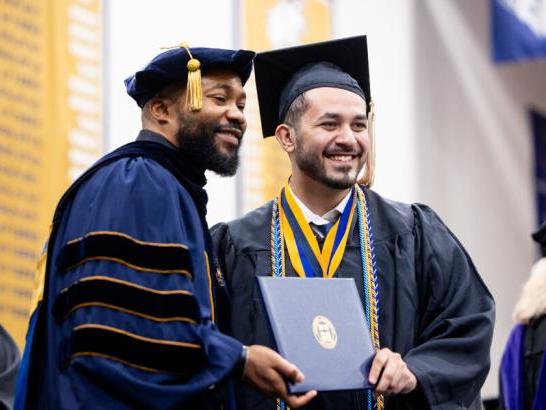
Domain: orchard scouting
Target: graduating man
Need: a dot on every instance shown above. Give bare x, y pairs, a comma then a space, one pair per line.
128, 304
430, 315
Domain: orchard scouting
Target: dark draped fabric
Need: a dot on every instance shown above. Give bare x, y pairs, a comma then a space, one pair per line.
434, 308
523, 367
130, 293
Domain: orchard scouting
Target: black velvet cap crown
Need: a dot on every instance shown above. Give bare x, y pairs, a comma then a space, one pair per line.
171, 66
282, 75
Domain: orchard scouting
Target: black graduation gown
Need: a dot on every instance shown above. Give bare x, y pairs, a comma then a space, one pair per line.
535, 343
435, 309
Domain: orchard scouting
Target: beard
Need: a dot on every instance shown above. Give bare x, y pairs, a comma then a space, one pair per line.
311, 164
196, 141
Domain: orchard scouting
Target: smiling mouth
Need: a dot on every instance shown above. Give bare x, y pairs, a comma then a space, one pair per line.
232, 136
341, 158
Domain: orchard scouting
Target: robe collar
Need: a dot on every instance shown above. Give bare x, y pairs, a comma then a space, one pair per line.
329, 217
192, 171
194, 174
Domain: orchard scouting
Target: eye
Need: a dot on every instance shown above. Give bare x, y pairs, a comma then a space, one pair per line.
329, 125
360, 126
241, 107
220, 98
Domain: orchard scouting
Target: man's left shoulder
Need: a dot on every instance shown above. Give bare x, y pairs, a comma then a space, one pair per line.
398, 217
389, 217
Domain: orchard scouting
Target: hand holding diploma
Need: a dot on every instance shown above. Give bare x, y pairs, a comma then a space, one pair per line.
390, 374
266, 370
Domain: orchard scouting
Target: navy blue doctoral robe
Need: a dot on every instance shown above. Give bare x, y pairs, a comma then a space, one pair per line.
127, 315
434, 308
523, 367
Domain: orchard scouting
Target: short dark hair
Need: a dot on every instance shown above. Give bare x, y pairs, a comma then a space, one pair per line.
172, 90
296, 110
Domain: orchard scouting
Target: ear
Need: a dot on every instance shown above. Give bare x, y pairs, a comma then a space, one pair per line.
286, 137
161, 110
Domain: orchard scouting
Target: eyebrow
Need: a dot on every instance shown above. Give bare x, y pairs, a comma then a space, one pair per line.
335, 116
227, 88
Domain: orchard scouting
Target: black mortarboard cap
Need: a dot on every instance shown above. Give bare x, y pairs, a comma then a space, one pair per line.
282, 75
171, 66
540, 237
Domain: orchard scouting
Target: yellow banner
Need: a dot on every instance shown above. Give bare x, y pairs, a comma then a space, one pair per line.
271, 24
49, 96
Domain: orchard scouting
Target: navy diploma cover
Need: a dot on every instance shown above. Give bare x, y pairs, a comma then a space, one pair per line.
319, 325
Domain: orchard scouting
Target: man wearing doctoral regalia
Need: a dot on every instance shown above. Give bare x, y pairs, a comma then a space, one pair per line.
523, 364
128, 311
429, 313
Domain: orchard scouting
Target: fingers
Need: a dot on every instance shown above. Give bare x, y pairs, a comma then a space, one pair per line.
390, 374
288, 370
378, 363
299, 401
410, 382
276, 386
271, 384
266, 370
398, 381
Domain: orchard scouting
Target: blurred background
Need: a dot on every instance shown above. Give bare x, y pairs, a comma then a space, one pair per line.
459, 88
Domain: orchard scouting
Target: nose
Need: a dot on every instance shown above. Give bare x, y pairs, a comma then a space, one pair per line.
235, 114
346, 136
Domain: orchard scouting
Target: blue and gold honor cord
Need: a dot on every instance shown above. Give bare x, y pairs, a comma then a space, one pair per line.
370, 283
289, 227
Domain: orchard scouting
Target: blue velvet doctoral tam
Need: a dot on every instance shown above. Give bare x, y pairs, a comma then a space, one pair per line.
127, 315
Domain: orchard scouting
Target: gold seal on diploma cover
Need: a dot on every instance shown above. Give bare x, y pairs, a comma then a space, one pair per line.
324, 332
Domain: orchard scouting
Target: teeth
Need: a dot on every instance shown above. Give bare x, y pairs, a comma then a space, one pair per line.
228, 133
343, 158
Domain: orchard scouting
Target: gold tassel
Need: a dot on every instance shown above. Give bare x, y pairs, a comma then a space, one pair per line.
369, 171
194, 89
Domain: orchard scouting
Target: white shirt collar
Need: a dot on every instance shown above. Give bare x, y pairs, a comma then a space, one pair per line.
328, 217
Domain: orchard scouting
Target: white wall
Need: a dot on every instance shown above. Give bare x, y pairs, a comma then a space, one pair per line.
474, 147
135, 31
388, 25
453, 132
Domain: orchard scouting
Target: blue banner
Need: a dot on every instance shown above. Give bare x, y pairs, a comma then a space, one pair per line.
539, 131
519, 29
